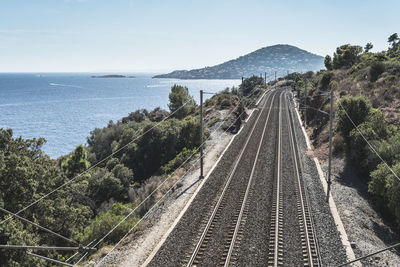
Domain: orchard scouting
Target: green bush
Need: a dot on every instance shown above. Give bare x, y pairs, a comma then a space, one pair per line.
226, 103
375, 129
358, 109
385, 188
105, 221
178, 160
325, 80
376, 69
213, 121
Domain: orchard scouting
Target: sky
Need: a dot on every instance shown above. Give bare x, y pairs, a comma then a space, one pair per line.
164, 35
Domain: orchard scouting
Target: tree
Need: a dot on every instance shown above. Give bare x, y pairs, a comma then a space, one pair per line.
346, 56
249, 84
103, 185
325, 80
393, 40
76, 163
26, 174
177, 98
328, 62
368, 47
358, 109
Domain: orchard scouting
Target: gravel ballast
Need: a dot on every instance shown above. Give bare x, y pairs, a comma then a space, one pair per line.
178, 246
331, 249
179, 243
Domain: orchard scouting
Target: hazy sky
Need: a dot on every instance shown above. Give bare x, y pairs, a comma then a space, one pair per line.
161, 35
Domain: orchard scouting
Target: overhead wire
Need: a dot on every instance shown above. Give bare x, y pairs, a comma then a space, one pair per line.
159, 186
148, 212
95, 165
369, 144
38, 226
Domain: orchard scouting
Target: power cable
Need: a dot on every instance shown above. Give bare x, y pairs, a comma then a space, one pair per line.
159, 186
95, 165
148, 212
38, 226
58, 188
372, 148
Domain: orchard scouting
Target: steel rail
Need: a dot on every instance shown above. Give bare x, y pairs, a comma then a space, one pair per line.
238, 160
278, 182
301, 167
303, 203
242, 209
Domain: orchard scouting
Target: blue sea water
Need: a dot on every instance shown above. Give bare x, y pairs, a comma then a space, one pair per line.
65, 107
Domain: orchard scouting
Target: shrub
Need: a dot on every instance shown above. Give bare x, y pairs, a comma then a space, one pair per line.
178, 160
213, 121
385, 188
226, 103
358, 109
157, 114
376, 69
325, 80
374, 129
137, 116
393, 67
337, 144
105, 221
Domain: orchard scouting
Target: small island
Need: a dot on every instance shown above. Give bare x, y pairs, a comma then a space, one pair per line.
112, 76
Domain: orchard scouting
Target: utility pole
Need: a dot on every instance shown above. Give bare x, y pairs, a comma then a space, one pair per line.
330, 137
201, 134
265, 78
305, 105
275, 76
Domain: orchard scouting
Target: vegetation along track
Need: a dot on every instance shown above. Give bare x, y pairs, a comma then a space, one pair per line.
292, 238
221, 230
253, 210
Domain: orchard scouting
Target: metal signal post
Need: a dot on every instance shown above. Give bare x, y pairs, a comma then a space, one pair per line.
201, 134
330, 137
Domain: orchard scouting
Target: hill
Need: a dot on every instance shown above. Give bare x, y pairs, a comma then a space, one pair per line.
280, 58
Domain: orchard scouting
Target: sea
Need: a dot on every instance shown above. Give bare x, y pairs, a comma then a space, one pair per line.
65, 107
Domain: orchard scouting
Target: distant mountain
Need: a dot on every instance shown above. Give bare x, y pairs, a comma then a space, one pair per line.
280, 58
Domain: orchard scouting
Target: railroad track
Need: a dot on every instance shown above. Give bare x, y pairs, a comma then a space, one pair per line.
277, 246
291, 236
232, 201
